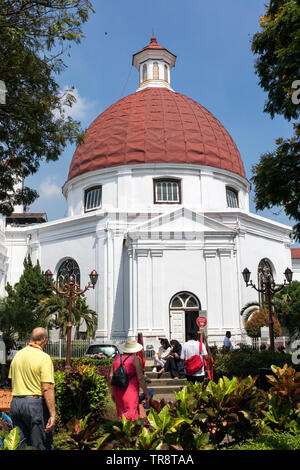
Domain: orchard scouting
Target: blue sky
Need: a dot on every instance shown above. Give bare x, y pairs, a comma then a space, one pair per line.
215, 66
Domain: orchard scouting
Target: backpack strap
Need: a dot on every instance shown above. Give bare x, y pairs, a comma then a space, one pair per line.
200, 347
122, 362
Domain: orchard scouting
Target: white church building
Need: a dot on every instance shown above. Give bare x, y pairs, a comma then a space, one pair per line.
158, 203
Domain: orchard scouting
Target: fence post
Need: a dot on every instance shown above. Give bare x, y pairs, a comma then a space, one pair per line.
59, 348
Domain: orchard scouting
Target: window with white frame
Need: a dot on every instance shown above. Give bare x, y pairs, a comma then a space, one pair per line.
167, 191
144, 77
232, 197
155, 71
166, 73
93, 198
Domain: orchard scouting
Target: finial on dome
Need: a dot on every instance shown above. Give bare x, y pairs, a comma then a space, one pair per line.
154, 63
153, 40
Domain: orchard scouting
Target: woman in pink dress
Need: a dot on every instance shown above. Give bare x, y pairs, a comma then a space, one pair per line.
127, 399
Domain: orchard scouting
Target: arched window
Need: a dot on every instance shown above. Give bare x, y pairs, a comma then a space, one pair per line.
185, 300
144, 73
166, 73
167, 191
68, 268
264, 267
232, 197
155, 71
93, 198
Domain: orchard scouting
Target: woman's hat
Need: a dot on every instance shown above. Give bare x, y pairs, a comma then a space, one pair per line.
131, 346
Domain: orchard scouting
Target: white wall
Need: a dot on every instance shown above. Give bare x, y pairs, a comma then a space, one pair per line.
296, 269
131, 186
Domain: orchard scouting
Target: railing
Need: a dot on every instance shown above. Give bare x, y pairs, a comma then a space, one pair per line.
280, 341
58, 348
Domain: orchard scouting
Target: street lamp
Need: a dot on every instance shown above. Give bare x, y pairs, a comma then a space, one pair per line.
269, 288
70, 290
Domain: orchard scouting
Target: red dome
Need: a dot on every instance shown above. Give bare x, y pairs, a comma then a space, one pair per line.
156, 125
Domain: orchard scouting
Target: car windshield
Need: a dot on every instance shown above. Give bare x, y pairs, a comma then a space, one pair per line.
96, 348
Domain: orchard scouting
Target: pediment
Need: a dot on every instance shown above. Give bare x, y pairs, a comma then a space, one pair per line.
181, 220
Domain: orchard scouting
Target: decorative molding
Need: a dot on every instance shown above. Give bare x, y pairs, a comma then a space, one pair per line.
141, 252
224, 253
156, 253
209, 253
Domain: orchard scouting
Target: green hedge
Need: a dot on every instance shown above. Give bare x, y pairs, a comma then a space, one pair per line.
59, 364
242, 363
272, 441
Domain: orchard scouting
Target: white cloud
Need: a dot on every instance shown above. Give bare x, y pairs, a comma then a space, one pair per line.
49, 189
80, 109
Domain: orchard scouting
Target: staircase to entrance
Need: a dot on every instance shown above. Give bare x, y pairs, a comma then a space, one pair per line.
165, 386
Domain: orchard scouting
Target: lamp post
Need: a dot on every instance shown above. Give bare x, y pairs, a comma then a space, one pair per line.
269, 288
70, 290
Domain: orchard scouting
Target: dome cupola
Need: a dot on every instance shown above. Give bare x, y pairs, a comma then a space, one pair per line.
154, 63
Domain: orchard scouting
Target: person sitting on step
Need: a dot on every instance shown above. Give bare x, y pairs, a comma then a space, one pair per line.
174, 365
161, 356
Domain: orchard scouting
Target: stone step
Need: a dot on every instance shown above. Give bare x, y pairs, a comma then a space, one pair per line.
153, 375
167, 382
162, 391
165, 386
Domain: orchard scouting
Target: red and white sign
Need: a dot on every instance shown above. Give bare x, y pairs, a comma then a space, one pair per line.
201, 322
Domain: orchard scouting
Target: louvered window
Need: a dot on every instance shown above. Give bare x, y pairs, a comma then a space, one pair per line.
144, 73
232, 197
155, 71
93, 198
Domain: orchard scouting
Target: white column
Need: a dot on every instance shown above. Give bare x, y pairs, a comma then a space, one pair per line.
131, 292
110, 282
156, 287
142, 292
117, 288
229, 289
213, 289
101, 260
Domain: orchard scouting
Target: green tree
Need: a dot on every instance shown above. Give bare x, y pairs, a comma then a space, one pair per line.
34, 36
259, 319
54, 310
287, 305
277, 175
18, 311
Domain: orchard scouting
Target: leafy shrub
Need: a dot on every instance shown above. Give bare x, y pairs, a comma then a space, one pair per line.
102, 365
229, 408
241, 363
283, 400
81, 435
79, 392
162, 432
272, 441
12, 440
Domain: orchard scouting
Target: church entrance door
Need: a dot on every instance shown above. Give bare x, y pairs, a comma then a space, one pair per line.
184, 310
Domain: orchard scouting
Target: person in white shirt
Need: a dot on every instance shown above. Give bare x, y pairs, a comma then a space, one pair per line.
191, 348
227, 343
161, 356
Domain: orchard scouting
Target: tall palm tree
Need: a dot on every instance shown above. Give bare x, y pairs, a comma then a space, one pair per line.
54, 310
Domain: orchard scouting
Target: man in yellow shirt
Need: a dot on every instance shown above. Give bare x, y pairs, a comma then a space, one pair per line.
33, 403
